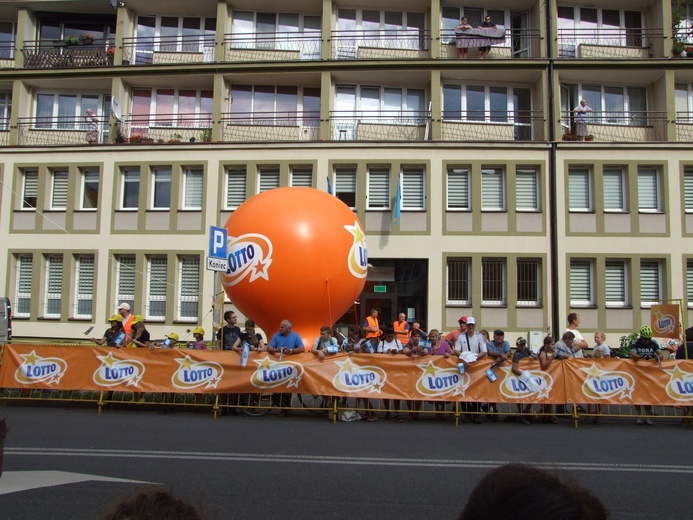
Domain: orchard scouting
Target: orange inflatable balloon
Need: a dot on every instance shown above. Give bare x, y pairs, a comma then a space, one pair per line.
298, 254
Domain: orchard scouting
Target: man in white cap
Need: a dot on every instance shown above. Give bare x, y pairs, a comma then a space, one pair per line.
471, 341
124, 311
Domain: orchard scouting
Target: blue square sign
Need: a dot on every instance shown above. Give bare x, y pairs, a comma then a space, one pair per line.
218, 237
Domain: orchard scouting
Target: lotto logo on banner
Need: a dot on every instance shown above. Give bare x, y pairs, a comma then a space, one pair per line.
358, 254
665, 320
195, 374
37, 369
436, 381
356, 378
272, 374
680, 385
512, 388
248, 255
602, 384
114, 372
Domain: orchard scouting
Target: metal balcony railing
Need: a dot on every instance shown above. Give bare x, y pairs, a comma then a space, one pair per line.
4, 131
272, 46
168, 50
493, 125
270, 126
380, 125
605, 42
518, 44
59, 131
42, 54
388, 44
684, 127
165, 128
632, 127
6, 51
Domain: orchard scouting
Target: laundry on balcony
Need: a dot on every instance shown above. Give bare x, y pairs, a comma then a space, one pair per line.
480, 37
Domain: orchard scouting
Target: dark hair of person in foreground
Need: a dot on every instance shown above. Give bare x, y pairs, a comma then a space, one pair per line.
518, 492
151, 503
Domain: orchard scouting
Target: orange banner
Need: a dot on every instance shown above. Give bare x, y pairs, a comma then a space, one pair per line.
665, 320
432, 378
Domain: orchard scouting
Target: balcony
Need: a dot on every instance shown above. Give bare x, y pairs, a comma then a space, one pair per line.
270, 126
7, 55
168, 50
609, 43
620, 127
380, 126
4, 131
165, 129
378, 45
43, 54
274, 46
479, 125
684, 127
58, 131
516, 43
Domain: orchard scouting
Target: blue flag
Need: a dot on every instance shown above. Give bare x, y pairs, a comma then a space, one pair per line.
398, 204
329, 186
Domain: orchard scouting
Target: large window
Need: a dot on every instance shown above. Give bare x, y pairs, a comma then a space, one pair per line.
157, 273
527, 189
579, 189
170, 107
8, 35
413, 189
236, 186
475, 15
59, 190
274, 105
22, 303
492, 189
345, 185
458, 185
616, 104
130, 189
529, 288
282, 31
458, 281
384, 103
378, 188
66, 111
486, 103
581, 283
174, 34
649, 190
84, 286
161, 193
189, 272
54, 286
493, 281
651, 290
614, 189
29, 189
90, 189
193, 181
125, 280
616, 283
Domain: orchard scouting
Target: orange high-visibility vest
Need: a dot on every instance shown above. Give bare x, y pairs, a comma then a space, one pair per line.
372, 322
401, 331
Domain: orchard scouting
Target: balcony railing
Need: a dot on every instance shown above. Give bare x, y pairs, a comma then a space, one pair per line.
391, 44
490, 125
7, 54
684, 127
630, 127
380, 125
4, 131
270, 126
59, 131
168, 50
42, 54
272, 46
165, 128
617, 42
518, 44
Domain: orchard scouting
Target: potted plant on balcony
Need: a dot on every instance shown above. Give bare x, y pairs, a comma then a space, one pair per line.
589, 137
175, 138
86, 39
71, 40
678, 48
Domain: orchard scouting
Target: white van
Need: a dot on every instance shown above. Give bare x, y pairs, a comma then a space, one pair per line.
5, 321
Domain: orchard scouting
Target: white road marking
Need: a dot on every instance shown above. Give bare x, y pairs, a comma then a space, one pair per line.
362, 461
15, 481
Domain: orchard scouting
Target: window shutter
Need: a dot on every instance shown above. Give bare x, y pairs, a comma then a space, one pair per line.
492, 189
615, 278
25, 268
189, 287
458, 188
580, 282
688, 189
379, 189
345, 186
30, 189
526, 191
649, 281
158, 272
689, 281
648, 190
235, 188
54, 285
614, 198
85, 286
302, 177
193, 189
60, 183
412, 189
269, 179
579, 189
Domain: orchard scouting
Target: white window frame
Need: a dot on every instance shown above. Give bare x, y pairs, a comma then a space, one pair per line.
236, 187
649, 177
24, 285
30, 187
60, 182
583, 175
527, 190
413, 183
126, 280
615, 184
188, 287
458, 281
493, 189
581, 270
84, 285
130, 176
651, 271
193, 189
157, 287
616, 280
269, 178
532, 267
90, 178
495, 296
53, 286
379, 190
345, 185
458, 188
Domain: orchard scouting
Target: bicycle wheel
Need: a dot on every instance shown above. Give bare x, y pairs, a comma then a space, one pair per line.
312, 403
256, 405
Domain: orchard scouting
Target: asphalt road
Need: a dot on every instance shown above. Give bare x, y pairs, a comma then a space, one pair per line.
70, 464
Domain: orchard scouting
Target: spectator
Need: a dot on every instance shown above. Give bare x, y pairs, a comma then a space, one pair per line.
124, 311
439, 347
199, 343
92, 127
228, 337
521, 352
111, 336
324, 344
414, 347
451, 337
547, 353
581, 119
579, 343
486, 24
499, 350
471, 341
564, 348
401, 327
371, 328
416, 325
254, 339
390, 345
353, 342
285, 342
600, 349
461, 38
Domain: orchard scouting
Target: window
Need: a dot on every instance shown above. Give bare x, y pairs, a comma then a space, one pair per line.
458, 189
274, 30
269, 179
579, 189
650, 282
688, 190
236, 180
529, 282
90, 189
170, 108
614, 190
161, 197
458, 273
492, 189
8, 35
527, 189
302, 177
5, 105
84, 286
66, 111
648, 190
59, 191
271, 105
378, 188
382, 104
581, 283
131, 189
174, 34
22, 304
615, 291
54, 286
491, 104
493, 281
345, 186
125, 280
157, 272
413, 189
192, 189
30, 190
189, 288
